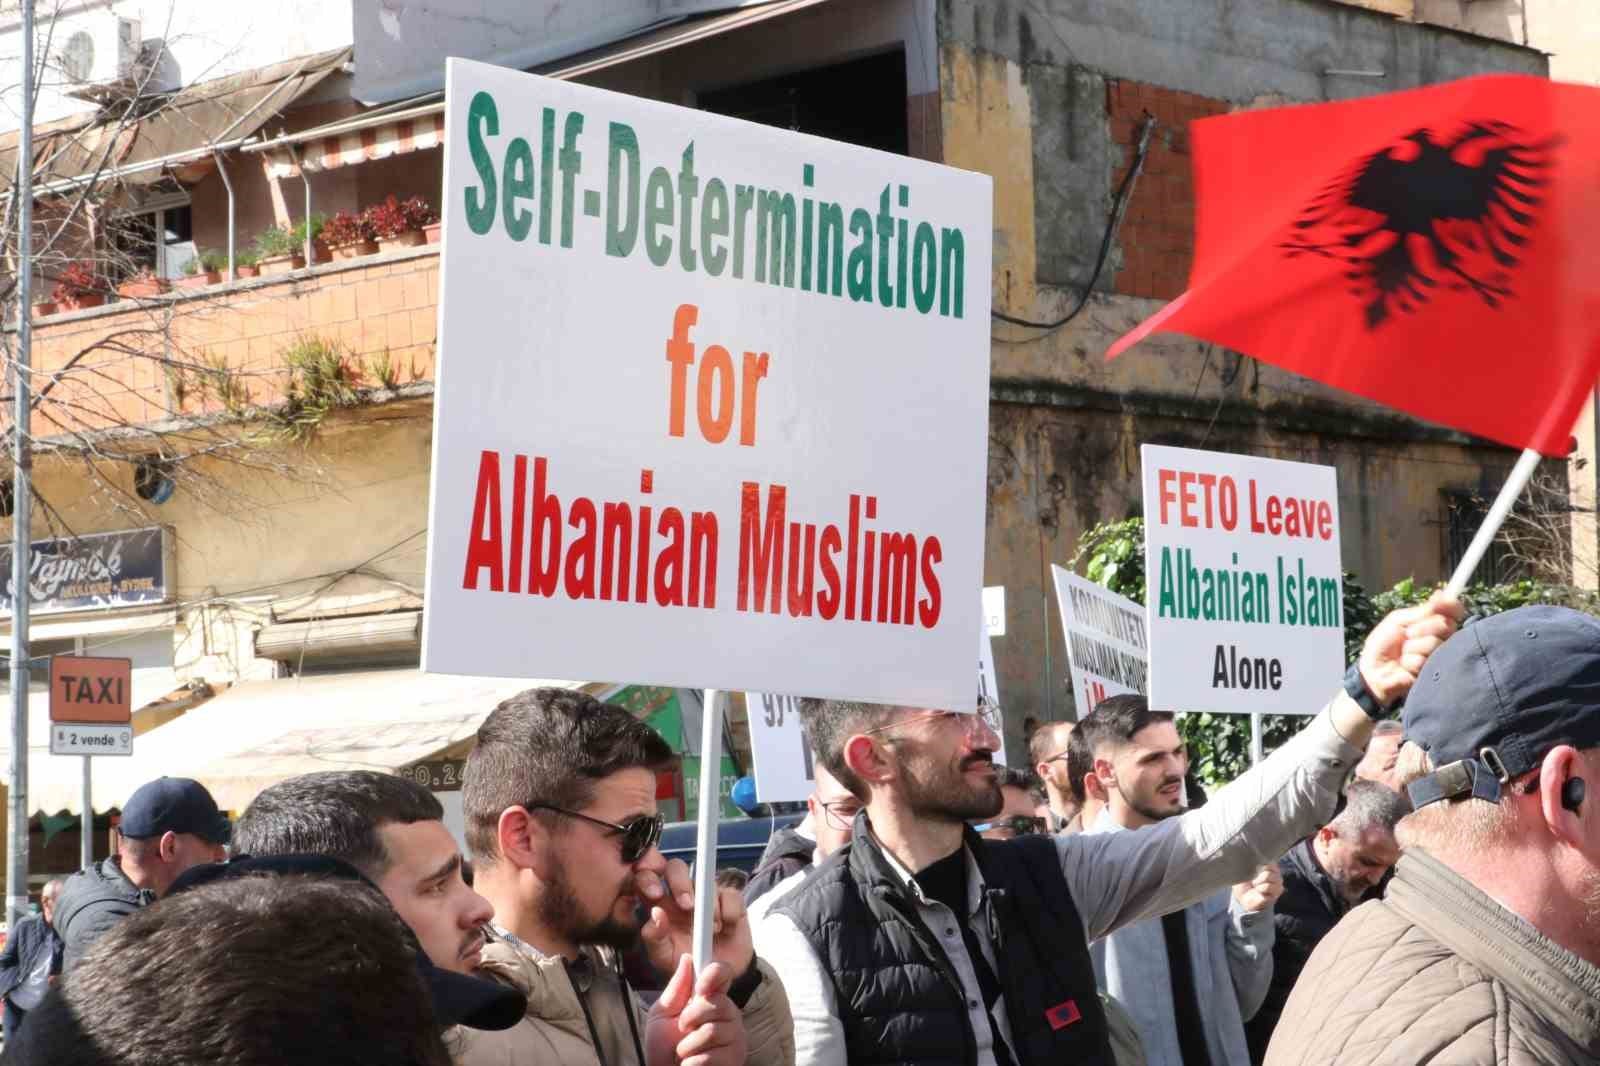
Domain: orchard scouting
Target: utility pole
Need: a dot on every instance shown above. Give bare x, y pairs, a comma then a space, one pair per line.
22, 495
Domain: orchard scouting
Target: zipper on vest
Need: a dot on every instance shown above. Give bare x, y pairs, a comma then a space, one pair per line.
941, 961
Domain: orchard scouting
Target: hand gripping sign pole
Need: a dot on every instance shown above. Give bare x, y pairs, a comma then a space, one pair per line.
1491, 522
705, 867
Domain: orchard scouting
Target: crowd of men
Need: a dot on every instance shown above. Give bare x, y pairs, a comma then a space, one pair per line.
1366, 894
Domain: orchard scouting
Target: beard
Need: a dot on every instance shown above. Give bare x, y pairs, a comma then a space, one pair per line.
1149, 809
560, 910
943, 793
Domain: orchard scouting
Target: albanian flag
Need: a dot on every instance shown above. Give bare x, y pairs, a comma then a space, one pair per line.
1436, 250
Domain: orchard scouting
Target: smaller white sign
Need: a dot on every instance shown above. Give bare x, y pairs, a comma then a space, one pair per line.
70, 738
994, 609
1245, 600
1105, 636
988, 687
778, 747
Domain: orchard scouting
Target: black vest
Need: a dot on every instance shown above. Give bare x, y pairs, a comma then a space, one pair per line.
899, 998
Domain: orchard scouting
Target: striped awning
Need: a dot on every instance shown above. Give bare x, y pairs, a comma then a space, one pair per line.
362, 144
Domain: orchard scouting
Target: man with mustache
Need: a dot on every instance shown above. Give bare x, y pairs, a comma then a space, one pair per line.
1324, 876
1192, 977
921, 941
559, 797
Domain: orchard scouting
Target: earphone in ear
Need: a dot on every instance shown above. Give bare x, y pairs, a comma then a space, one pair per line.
1572, 794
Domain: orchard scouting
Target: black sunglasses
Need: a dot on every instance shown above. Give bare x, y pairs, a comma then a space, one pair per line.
639, 833
1020, 825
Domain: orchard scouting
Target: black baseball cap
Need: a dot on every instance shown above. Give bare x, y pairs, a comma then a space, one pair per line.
458, 999
1497, 696
173, 805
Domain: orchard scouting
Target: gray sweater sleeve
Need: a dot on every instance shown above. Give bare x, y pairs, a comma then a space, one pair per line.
1118, 878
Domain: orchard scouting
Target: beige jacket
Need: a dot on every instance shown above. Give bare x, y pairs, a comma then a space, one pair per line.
1439, 973
554, 1030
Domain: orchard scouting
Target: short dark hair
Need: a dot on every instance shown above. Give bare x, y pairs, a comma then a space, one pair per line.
338, 813
246, 971
1116, 720
549, 746
829, 723
1369, 805
1042, 744
1080, 763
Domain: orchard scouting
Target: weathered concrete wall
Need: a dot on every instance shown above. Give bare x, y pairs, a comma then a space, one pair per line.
1046, 96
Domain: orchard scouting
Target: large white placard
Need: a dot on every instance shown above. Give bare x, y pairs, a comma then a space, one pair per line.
1245, 595
1105, 636
711, 403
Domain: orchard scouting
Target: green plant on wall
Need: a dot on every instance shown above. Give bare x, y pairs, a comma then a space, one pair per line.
321, 378
1112, 554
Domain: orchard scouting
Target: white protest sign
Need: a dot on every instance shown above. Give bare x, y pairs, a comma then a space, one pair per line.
989, 687
712, 400
778, 745
1106, 645
1245, 589
994, 609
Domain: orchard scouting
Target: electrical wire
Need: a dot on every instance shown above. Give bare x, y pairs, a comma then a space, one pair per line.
1119, 207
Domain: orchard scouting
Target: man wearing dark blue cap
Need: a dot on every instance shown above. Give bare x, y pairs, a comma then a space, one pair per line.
1486, 946
168, 825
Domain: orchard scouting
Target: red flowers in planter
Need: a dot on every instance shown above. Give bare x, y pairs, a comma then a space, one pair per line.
348, 227
78, 286
395, 216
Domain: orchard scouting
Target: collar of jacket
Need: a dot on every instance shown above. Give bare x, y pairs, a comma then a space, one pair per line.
1303, 857
1557, 984
880, 872
542, 979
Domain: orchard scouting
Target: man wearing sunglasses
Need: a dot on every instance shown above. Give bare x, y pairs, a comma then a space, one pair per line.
921, 941
559, 797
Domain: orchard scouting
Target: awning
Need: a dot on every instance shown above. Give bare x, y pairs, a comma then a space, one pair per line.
140, 144
260, 732
417, 124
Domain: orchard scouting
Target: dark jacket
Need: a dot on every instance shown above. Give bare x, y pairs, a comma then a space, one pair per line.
787, 853
92, 901
1306, 912
898, 996
24, 945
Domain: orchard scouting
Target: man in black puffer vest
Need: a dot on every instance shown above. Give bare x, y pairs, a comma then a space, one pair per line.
921, 943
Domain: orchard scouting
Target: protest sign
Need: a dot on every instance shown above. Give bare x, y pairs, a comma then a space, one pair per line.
1106, 645
778, 746
1244, 600
989, 687
711, 401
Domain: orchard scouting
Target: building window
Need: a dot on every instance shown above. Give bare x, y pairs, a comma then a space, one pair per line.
1465, 511
862, 102
158, 236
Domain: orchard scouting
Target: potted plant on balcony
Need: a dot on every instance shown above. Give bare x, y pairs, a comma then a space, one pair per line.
278, 252
245, 263
77, 287
349, 235
397, 223
204, 269
142, 284
319, 247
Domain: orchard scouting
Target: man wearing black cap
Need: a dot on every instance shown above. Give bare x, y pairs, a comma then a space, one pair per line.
1486, 945
168, 825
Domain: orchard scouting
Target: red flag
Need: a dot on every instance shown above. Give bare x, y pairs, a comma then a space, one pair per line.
1436, 250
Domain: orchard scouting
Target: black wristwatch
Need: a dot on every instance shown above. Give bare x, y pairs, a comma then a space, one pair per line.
1356, 687
745, 985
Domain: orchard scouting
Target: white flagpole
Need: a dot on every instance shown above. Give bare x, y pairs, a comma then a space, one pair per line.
705, 867
1491, 522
